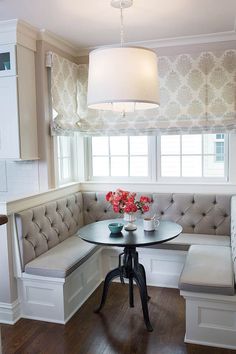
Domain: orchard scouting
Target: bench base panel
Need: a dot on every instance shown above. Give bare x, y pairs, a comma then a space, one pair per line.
210, 319
56, 300
163, 267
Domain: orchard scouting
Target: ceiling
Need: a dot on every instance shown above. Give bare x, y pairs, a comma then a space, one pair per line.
90, 23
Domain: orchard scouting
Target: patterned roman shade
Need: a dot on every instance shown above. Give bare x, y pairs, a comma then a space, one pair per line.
63, 82
197, 94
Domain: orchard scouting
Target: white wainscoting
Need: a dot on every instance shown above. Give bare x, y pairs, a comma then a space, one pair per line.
210, 319
57, 299
163, 267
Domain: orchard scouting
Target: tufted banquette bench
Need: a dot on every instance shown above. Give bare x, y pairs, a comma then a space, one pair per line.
59, 270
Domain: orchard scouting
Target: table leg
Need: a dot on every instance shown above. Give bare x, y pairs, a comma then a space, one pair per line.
131, 292
110, 276
138, 277
134, 271
142, 270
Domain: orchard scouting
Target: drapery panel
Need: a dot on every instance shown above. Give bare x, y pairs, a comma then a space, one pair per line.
63, 85
197, 94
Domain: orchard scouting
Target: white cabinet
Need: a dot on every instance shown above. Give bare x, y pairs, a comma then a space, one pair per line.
7, 60
18, 119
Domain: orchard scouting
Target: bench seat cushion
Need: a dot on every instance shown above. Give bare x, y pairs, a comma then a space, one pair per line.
185, 240
208, 269
62, 259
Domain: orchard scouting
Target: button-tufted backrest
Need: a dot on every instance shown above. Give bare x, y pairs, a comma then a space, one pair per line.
196, 213
233, 232
43, 227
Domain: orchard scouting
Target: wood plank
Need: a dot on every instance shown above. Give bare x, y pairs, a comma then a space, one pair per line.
117, 329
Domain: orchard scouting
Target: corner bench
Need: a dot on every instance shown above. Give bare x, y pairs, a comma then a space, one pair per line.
207, 283
59, 271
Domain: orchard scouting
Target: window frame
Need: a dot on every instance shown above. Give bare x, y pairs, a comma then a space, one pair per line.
72, 161
194, 180
135, 179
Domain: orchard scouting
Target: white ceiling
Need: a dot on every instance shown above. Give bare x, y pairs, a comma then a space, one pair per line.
89, 23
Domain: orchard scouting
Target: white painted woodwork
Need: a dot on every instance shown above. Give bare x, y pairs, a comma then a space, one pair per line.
9, 124
57, 299
210, 319
163, 267
9, 49
18, 116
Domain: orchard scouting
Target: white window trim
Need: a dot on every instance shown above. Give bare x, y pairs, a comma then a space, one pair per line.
194, 180
91, 178
73, 163
154, 164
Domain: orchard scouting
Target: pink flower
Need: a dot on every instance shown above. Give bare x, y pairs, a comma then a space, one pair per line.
144, 199
108, 196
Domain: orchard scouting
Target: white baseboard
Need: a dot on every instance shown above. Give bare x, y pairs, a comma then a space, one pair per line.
209, 344
10, 313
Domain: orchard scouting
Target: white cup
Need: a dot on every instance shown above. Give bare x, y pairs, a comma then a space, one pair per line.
150, 224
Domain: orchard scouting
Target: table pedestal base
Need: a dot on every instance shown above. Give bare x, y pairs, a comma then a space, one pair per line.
129, 268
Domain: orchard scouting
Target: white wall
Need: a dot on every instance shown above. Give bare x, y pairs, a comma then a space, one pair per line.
18, 178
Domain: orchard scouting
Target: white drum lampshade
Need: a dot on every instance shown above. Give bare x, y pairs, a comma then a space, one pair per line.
123, 79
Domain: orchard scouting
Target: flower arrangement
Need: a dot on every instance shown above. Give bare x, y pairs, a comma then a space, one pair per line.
125, 202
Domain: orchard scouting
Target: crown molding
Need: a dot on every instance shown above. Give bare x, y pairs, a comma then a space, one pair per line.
18, 32
58, 42
173, 42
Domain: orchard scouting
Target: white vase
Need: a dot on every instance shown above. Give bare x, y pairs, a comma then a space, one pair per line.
130, 218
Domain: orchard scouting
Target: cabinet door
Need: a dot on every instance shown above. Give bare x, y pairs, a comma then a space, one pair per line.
7, 60
9, 125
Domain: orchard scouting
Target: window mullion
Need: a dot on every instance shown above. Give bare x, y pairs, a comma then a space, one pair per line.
109, 156
181, 157
203, 154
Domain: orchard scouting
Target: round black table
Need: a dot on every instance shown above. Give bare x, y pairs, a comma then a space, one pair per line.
129, 266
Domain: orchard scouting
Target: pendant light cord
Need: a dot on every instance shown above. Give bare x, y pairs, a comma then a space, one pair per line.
121, 25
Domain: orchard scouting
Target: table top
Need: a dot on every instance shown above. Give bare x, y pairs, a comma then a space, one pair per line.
99, 233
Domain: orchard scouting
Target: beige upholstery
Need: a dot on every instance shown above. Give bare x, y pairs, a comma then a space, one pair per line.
208, 269
205, 220
184, 241
41, 228
62, 259
196, 213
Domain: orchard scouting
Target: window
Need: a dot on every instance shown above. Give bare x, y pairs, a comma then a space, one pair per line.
197, 155
65, 159
119, 156
219, 148
189, 158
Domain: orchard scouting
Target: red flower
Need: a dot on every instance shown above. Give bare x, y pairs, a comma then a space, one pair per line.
124, 202
144, 199
108, 196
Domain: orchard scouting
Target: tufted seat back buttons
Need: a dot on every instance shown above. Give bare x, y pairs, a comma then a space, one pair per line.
162, 213
182, 213
193, 226
203, 214
225, 215
105, 211
88, 210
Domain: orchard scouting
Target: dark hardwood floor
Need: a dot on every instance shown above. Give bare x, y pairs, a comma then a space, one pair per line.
118, 329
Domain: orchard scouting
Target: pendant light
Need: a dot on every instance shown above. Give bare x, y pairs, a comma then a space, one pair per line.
123, 78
